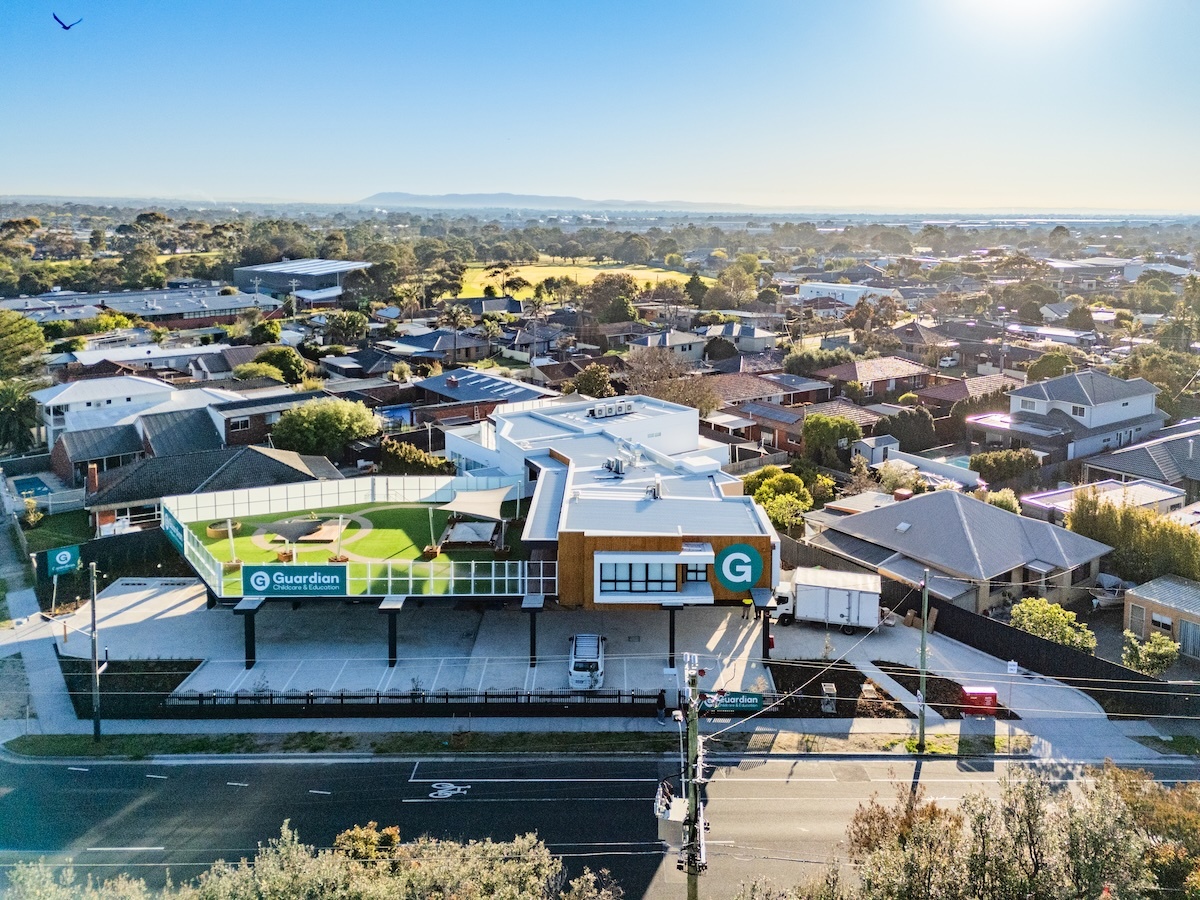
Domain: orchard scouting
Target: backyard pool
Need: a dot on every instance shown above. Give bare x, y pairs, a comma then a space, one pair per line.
963, 462
30, 484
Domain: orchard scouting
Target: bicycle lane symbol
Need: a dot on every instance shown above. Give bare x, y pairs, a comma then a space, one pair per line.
443, 790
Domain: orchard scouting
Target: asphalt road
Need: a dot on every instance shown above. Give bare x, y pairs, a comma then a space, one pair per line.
780, 819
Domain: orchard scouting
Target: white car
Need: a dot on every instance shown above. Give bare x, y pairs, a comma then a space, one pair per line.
947, 362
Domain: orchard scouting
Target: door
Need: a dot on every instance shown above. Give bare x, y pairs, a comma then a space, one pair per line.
1189, 638
1137, 620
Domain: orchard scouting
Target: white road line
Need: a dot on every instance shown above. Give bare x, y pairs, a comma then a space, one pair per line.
413, 776
437, 674
123, 849
534, 800
324, 793
75, 769
160, 777
237, 784
293, 675
335, 680
541, 780
482, 673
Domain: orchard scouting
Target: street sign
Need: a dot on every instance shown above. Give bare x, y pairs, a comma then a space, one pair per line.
62, 560
738, 567
731, 702
295, 581
1012, 667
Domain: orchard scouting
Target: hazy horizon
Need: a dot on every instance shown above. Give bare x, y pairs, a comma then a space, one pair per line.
957, 106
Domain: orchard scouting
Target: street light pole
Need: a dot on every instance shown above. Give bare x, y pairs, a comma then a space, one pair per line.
95, 661
921, 688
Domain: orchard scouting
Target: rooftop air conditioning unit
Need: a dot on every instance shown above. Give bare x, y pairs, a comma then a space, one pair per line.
610, 409
618, 466
599, 411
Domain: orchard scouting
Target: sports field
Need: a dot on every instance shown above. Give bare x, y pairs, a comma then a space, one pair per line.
476, 277
376, 540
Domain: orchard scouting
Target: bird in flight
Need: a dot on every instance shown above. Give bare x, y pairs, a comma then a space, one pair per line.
65, 26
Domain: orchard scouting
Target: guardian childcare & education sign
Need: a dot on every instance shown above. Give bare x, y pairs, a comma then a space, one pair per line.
62, 560
731, 702
738, 567
295, 581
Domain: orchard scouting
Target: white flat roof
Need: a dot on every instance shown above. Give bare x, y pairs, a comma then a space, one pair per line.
309, 266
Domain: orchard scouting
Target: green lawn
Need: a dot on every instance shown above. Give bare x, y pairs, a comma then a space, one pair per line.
60, 530
476, 277
398, 535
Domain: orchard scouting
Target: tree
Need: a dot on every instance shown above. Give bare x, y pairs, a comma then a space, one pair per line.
787, 511
634, 249
18, 415
401, 372
593, 381
403, 458
456, 317
619, 309
323, 427
825, 435
1049, 621
657, 372
734, 288
1004, 499
1080, 318
720, 348
267, 332
1152, 657
247, 371
289, 363
861, 479
606, 288
696, 289
1145, 543
345, 327
912, 427
21, 345
1000, 465
1049, 365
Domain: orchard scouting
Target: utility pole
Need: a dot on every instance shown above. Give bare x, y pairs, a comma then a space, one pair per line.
695, 856
95, 662
256, 281
921, 688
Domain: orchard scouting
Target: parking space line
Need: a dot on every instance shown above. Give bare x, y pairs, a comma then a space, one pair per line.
483, 673
437, 674
338, 677
293, 675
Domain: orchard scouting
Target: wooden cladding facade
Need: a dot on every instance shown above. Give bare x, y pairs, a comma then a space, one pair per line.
576, 563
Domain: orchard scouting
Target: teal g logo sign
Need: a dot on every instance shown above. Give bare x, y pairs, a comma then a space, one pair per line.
739, 566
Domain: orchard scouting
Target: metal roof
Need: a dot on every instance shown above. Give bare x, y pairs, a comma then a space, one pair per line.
469, 386
97, 443
546, 505
308, 266
1169, 590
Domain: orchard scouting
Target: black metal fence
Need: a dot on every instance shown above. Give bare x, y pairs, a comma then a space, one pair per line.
249, 704
145, 553
1119, 690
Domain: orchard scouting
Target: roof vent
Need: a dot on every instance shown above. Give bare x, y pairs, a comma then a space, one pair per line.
452, 381
903, 527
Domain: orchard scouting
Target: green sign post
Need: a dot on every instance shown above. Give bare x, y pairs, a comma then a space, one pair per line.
731, 702
295, 581
738, 567
62, 560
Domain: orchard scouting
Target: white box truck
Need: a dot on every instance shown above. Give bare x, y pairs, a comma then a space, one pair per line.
849, 600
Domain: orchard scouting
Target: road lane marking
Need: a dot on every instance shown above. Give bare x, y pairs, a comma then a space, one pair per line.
160, 777
75, 769
324, 793
122, 849
237, 784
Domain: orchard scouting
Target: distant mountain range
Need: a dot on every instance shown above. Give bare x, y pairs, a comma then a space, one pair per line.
542, 202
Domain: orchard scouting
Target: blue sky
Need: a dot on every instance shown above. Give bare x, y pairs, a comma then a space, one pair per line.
869, 104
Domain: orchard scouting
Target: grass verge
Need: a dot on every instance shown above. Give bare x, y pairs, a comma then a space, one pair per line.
131, 746
968, 745
1181, 743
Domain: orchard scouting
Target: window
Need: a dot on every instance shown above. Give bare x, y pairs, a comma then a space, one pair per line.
695, 572
242, 424
1126, 403
1028, 405
1081, 573
869, 389
637, 578
1077, 411
1160, 623
272, 418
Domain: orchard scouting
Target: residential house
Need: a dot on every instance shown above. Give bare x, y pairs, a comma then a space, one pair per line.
615, 335
242, 422
441, 345
846, 294
1172, 457
131, 495
768, 361
680, 344
885, 375
1054, 506
554, 375
864, 418
779, 426
1072, 416
923, 341
978, 555
940, 398
473, 387
746, 338
798, 389
484, 306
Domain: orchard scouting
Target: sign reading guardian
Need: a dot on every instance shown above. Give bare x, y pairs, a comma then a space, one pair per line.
295, 581
172, 529
739, 566
62, 560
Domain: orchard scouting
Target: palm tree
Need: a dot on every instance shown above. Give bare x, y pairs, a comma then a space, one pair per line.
18, 415
456, 317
